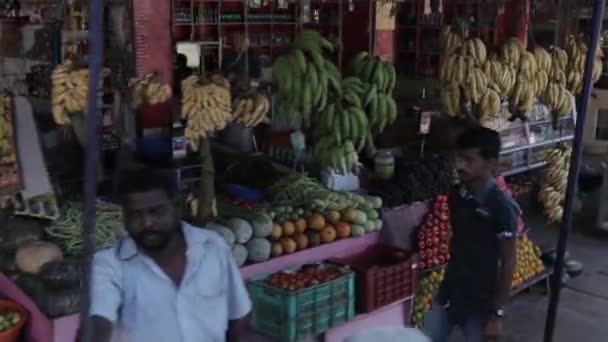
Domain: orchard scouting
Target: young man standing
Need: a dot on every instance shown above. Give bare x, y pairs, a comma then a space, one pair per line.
483, 245
166, 280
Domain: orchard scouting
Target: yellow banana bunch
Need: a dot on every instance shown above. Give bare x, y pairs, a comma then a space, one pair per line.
449, 40
489, 105
522, 97
475, 85
476, 49
510, 52
553, 183
576, 49
558, 99
506, 82
527, 65
251, 110
493, 69
207, 106
540, 83
557, 75
69, 88
149, 91
453, 70
559, 59
450, 98
543, 59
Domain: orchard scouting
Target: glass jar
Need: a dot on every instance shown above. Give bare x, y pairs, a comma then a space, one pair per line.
384, 165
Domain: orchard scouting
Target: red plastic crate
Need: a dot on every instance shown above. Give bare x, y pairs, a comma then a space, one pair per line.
384, 275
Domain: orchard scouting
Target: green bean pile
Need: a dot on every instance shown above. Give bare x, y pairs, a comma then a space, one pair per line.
296, 187
67, 230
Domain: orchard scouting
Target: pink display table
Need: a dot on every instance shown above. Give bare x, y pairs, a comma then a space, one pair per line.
64, 329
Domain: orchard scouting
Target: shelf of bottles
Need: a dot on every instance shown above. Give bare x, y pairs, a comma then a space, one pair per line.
270, 25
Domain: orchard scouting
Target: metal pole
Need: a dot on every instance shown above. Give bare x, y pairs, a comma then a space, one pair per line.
91, 156
577, 149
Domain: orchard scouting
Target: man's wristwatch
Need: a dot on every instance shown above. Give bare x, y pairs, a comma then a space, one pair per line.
500, 313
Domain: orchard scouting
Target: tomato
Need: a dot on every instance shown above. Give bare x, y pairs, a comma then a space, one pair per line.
442, 259
421, 245
422, 254
421, 235
443, 248
422, 265
444, 217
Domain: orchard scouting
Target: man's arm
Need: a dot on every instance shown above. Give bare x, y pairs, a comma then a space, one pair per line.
239, 304
508, 253
105, 296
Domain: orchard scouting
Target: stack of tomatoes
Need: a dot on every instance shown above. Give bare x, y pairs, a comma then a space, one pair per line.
305, 276
434, 235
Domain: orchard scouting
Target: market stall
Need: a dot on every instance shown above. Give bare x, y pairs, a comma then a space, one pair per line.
364, 231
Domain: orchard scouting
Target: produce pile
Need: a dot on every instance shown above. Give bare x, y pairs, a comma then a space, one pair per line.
304, 79
7, 152
553, 182
206, 104
433, 236
8, 319
576, 48
66, 231
70, 86
148, 90
306, 214
427, 290
472, 76
251, 109
529, 262
304, 277
416, 180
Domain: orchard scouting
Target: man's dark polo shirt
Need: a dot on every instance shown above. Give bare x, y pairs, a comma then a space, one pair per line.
479, 221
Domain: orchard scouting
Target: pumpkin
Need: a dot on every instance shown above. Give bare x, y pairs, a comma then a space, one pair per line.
314, 239
328, 234
258, 250
32, 255
301, 241
378, 224
300, 225
360, 217
277, 232
277, 249
288, 228
289, 245
343, 230
316, 222
332, 216
372, 214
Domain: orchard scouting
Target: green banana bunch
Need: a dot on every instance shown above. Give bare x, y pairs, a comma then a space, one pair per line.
373, 70
338, 156
377, 83
304, 78
7, 153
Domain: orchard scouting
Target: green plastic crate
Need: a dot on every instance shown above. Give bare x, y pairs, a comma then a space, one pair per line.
290, 316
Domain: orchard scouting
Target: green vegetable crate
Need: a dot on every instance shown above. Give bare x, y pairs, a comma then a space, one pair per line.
290, 316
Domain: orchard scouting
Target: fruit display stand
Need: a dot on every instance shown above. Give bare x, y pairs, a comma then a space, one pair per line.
397, 313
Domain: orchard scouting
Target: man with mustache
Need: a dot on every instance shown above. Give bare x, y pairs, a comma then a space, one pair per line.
166, 280
483, 245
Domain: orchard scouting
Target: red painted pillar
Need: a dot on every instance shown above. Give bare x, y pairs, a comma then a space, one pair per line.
154, 53
513, 20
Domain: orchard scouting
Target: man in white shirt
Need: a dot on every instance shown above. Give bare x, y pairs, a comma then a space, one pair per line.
167, 281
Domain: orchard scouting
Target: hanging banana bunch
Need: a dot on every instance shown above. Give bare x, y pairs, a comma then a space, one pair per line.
69, 89
206, 105
553, 183
148, 90
251, 110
